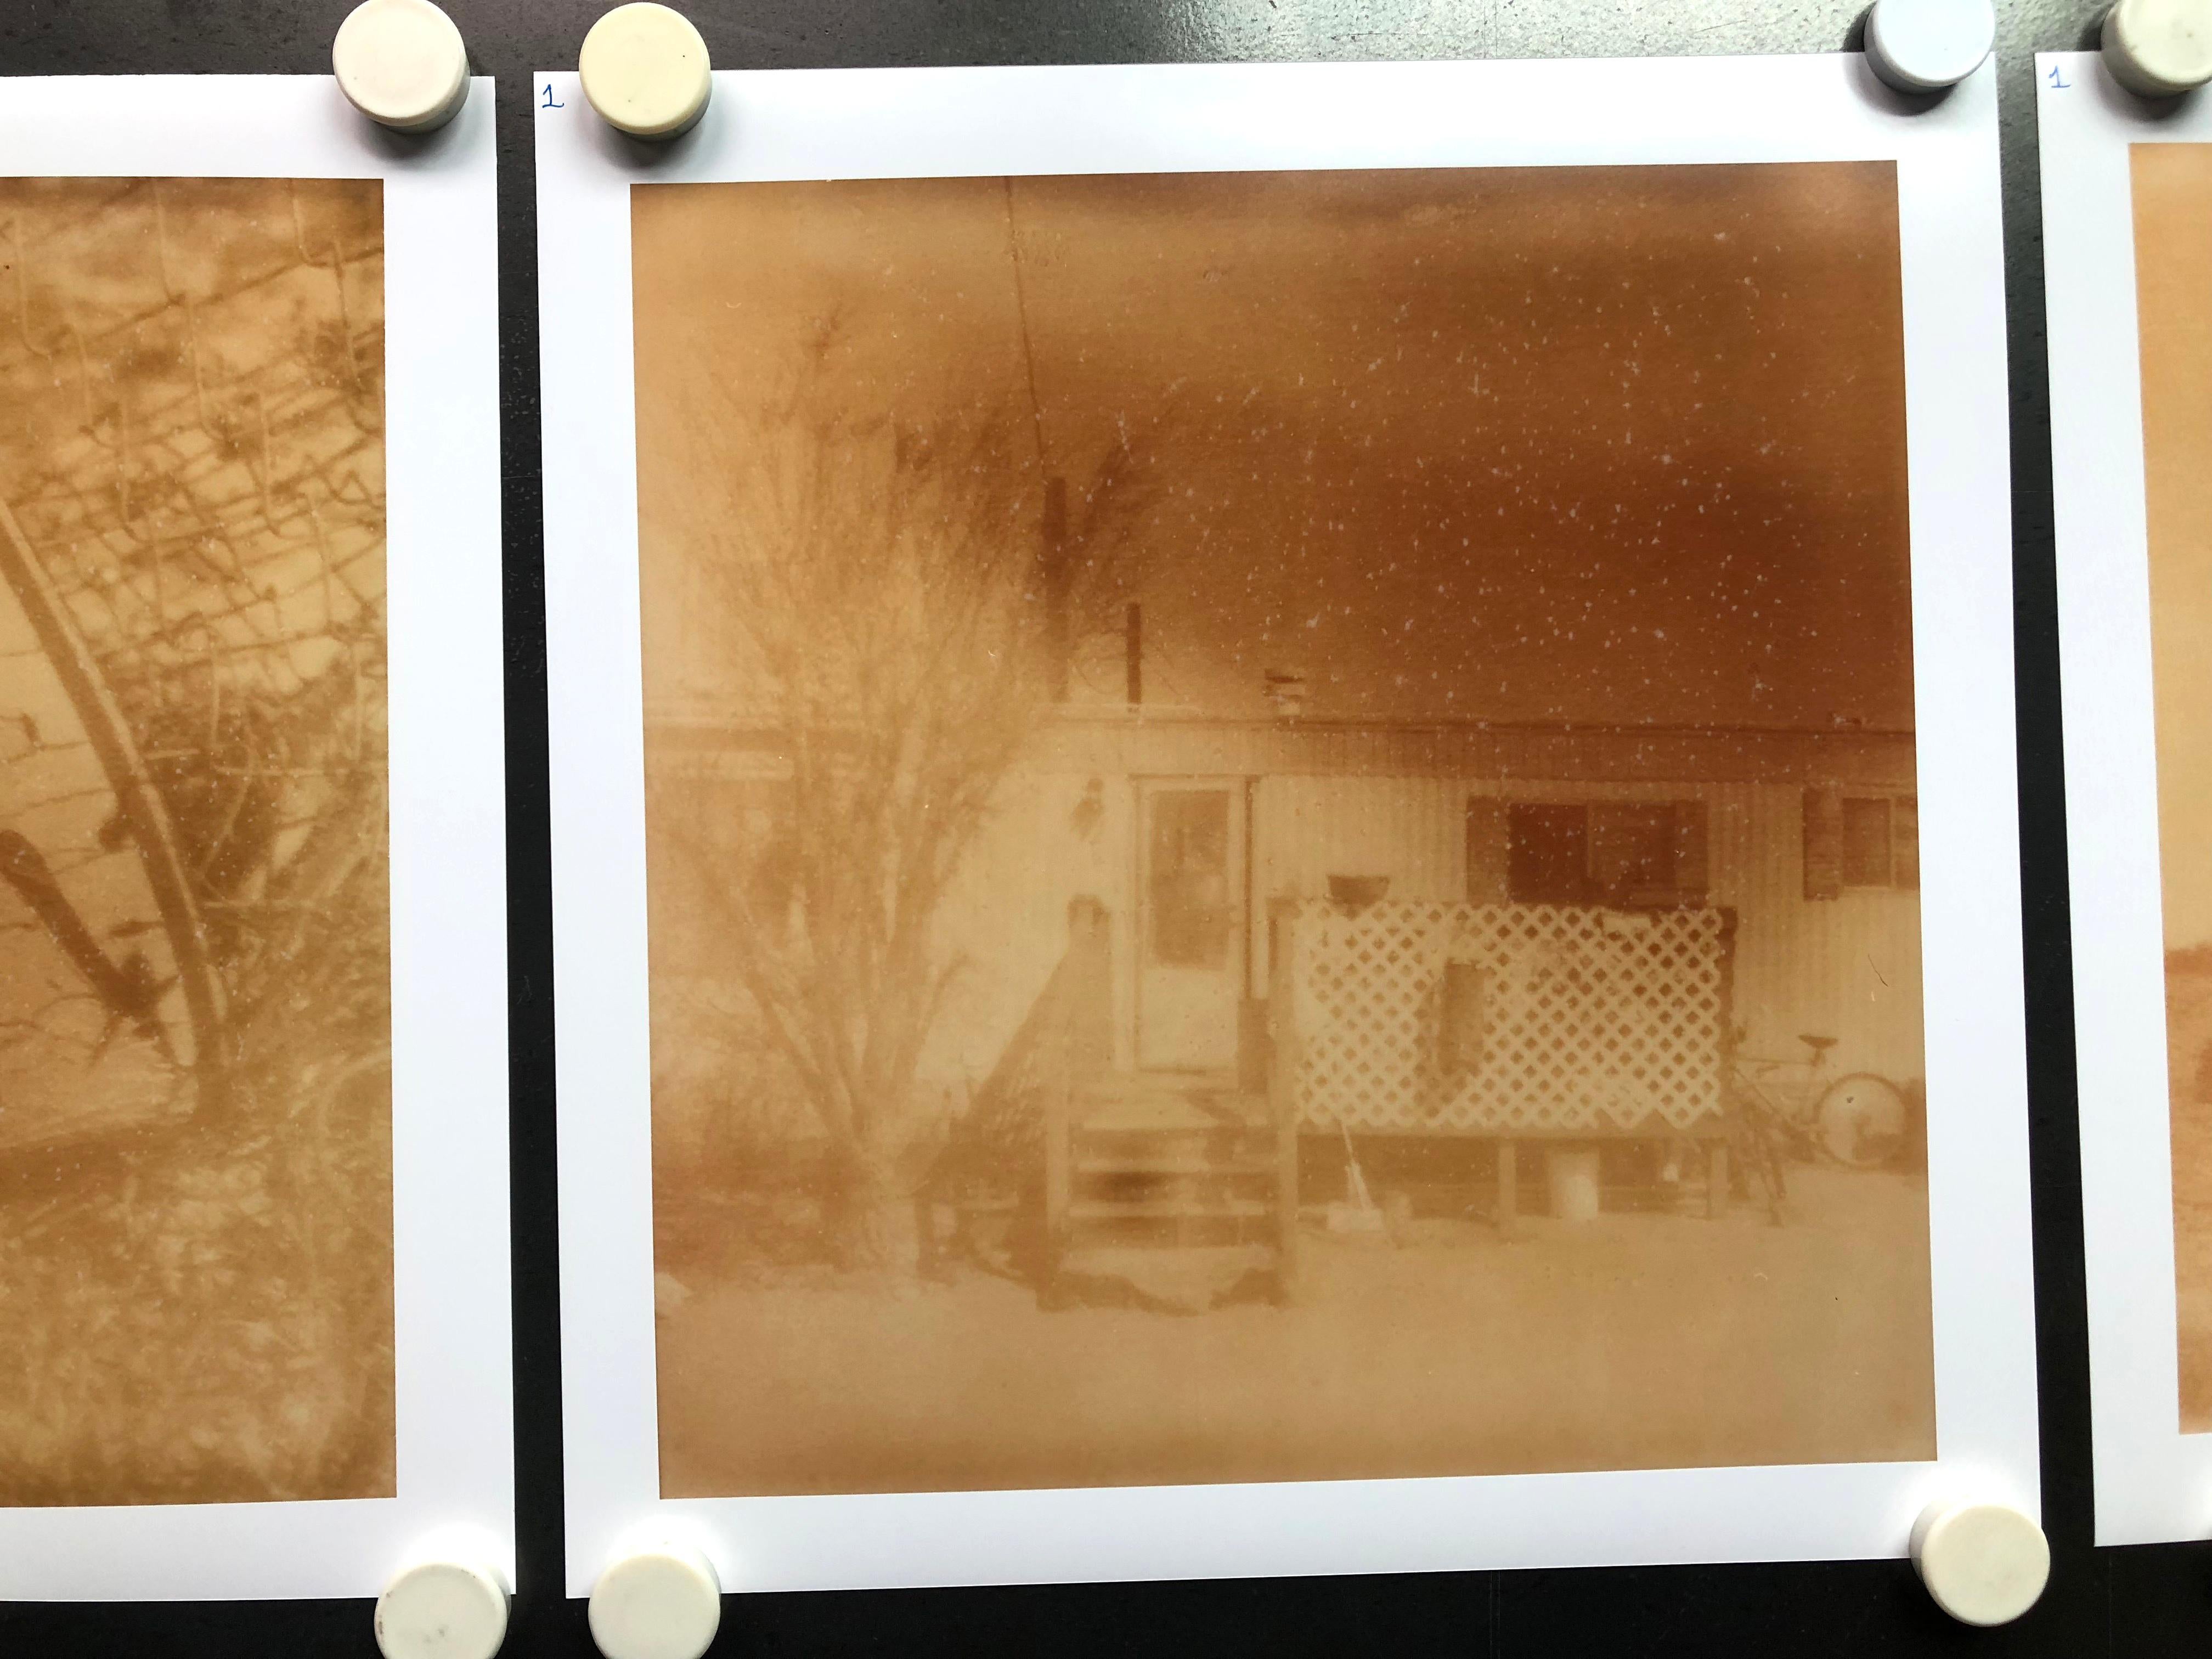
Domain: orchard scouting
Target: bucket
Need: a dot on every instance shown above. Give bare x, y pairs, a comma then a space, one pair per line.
1573, 1178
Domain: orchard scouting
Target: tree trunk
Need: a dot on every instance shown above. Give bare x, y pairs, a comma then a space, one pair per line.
867, 1213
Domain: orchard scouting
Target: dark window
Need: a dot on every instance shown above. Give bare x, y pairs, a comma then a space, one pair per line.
1859, 841
1630, 855
1548, 855
1187, 875
1824, 843
1866, 841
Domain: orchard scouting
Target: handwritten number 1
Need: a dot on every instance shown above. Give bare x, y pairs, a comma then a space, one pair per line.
551, 102
2058, 81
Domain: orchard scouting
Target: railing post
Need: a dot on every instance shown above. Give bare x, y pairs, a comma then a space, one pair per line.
1283, 1050
1057, 1135
1716, 1159
1286, 1201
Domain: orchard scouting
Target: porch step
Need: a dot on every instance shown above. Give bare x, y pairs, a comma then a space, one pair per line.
1138, 1165
1169, 1171
1154, 1102
1091, 1141
1169, 1209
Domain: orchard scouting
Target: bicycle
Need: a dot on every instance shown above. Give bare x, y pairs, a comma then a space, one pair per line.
1859, 1121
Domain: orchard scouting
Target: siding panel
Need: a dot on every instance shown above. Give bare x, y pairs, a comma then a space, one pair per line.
1847, 967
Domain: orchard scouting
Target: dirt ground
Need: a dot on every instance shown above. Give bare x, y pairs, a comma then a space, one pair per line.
2189, 1069
1636, 1340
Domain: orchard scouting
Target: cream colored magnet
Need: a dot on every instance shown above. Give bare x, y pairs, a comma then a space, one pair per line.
645, 70
442, 1610
1985, 1564
662, 1602
401, 63
2159, 48
1925, 46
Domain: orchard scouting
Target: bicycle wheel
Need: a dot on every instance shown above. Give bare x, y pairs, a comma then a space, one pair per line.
1860, 1121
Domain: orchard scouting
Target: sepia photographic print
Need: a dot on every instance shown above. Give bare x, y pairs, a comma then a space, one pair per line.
1281, 827
2173, 189
195, 1006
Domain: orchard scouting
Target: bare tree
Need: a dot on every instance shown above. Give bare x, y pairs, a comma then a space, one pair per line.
902, 602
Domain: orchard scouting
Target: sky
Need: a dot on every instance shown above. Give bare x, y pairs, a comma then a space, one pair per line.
1590, 445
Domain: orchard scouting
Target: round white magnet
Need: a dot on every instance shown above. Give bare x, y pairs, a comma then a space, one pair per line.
1985, 1564
664, 1602
1925, 45
401, 62
645, 70
2159, 48
442, 1610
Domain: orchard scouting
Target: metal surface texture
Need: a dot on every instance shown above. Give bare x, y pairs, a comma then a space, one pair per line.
2144, 1601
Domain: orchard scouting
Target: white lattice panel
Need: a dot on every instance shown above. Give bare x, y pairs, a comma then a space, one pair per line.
1591, 1018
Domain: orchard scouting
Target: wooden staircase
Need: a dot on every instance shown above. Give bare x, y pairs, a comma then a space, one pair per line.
1168, 1161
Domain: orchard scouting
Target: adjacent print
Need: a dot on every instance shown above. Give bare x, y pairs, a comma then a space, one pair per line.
1281, 825
195, 1011
2172, 192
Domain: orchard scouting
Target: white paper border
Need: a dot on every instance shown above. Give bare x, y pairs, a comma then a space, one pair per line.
455, 1408
2154, 1483
829, 124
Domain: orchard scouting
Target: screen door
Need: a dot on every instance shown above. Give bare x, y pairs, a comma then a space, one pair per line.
1190, 968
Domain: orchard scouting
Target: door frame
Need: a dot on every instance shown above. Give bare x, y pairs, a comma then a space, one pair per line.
1242, 846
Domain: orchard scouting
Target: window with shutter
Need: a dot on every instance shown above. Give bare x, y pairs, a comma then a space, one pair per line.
1824, 842
1632, 854
1859, 841
1547, 853
1904, 833
1866, 841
